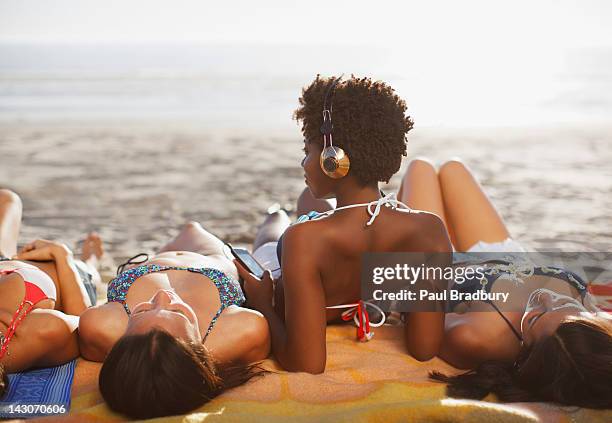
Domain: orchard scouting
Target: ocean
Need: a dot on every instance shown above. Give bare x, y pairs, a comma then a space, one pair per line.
257, 86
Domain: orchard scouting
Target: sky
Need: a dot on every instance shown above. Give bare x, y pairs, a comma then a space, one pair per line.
453, 58
400, 24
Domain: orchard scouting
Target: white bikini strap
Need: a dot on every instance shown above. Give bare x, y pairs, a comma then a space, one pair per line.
387, 199
377, 205
38, 278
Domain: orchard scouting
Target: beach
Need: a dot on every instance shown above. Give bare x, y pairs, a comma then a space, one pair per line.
137, 183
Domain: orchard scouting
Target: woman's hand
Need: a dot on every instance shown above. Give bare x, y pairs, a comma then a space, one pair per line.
43, 250
259, 292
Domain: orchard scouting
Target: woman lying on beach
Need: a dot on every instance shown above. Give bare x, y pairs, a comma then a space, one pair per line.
42, 293
558, 348
173, 334
320, 258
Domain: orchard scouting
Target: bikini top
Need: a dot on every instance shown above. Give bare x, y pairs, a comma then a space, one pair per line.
229, 289
515, 271
355, 311
38, 287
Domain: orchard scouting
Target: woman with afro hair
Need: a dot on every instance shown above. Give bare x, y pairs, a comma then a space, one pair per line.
316, 263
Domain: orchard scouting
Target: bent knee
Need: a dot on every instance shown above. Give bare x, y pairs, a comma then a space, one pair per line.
422, 355
452, 167
278, 216
421, 164
192, 225
7, 196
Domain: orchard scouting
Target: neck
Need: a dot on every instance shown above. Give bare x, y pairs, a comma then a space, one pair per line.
353, 193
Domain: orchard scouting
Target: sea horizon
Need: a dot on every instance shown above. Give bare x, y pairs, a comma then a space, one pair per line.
258, 85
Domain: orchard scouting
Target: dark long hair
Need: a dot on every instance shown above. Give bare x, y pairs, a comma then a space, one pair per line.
3, 381
573, 366
156, 374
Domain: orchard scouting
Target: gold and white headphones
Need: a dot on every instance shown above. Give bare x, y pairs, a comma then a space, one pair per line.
334, 161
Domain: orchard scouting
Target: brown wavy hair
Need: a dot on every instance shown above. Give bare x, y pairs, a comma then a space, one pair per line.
369, 121
155, 374
573, 366
3, 381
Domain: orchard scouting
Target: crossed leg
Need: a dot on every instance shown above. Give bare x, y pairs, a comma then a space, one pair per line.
10, 222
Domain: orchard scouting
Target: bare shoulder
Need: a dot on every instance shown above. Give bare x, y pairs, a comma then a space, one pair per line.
428, 228
249, 322
99, 328
422, 217
308, 236
471, 339
105, 314
242, 335
108, 320
296, 231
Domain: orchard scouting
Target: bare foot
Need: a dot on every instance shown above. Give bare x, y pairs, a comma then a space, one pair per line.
93, 250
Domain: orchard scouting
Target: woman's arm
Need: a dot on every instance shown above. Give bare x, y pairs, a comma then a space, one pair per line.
424, 330
242, 336
72, 293
46, 338
298, 343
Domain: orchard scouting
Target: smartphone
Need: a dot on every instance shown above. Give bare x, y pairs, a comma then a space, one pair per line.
247, 260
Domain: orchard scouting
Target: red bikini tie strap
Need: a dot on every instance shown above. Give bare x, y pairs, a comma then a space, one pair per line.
15, 322
360, 310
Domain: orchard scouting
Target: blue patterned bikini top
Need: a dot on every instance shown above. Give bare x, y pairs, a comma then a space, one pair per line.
229, 289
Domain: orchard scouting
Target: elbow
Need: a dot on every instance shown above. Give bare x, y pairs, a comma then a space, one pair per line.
317, 371
421, 348
421, 355
314, 368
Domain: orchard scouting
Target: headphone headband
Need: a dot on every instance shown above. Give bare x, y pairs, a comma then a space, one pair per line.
326, 127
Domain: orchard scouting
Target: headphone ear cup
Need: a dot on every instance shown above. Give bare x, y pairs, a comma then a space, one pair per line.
334, 162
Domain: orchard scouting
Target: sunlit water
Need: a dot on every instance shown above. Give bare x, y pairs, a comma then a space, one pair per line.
258, 86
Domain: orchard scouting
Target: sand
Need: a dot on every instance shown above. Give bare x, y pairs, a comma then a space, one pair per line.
136, 184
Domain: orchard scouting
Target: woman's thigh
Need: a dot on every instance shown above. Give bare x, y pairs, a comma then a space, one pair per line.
470, 213
420, 189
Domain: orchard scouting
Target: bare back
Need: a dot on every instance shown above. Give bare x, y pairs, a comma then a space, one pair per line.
340, 240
